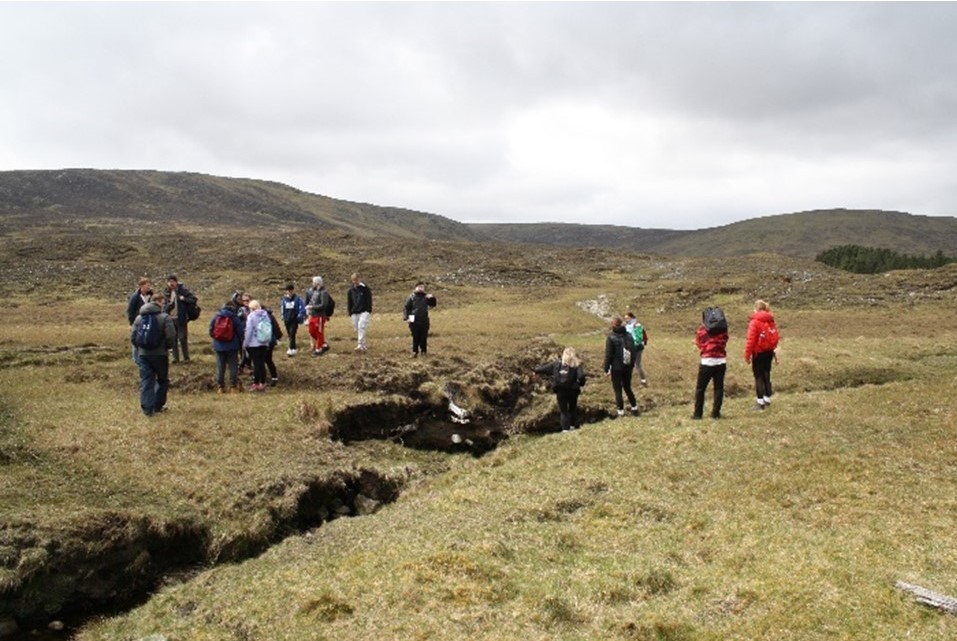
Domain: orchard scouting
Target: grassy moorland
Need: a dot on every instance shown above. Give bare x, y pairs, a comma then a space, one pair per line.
787, 524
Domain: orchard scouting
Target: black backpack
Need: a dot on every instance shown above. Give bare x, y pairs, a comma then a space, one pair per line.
565, 378
714, 321
330, 305
149, 333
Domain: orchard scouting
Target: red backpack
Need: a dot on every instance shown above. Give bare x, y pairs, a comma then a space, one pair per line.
223, 328
768, 338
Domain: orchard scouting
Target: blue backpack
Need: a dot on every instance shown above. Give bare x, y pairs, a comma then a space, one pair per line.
149, 333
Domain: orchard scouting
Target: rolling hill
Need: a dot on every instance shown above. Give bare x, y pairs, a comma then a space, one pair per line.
49, 197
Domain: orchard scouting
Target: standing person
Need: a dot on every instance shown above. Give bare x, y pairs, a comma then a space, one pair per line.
568, 379
227, 330
293, 310
759, 348
256, 340
242, 311
154, 332
179, 302
141, 296
619, 354
712, 345
359, 300
319, 306
416, 314
276, 336
640, 336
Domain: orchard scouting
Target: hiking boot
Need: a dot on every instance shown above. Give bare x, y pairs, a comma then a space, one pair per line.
274, 382
235, 389
220, 389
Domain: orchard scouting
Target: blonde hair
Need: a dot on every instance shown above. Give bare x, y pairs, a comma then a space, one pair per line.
570, 358
761, 306
254, 305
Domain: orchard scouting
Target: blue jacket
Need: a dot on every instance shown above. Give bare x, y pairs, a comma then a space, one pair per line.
239, 330
293, 309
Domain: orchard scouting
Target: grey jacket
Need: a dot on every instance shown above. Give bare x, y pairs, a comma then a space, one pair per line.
169, 330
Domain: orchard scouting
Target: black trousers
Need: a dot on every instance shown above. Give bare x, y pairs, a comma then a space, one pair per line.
568, 407
258, 357
621, 381
291, 328
420, 337
706, 374
761, 366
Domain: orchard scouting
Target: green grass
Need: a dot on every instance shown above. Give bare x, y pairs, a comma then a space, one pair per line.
787, 524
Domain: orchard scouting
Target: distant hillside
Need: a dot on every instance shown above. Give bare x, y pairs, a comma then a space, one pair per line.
45, 197
803, 234
81, 194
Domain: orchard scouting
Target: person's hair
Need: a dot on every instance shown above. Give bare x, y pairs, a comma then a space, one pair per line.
761, 306
420, 284
629, 314
570, 357
160, 295
290, 286
254, 305
354, 276
172, 277
616, 321
317, 281
144, 281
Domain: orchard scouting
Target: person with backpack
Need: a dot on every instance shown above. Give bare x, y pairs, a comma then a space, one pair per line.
759, 351
640, 336
293, 311
153, 333
141, 296
227, 329
359, 300
711, 339
256, 341
415, 312
619, 355
319, 306
182, 306
568, 379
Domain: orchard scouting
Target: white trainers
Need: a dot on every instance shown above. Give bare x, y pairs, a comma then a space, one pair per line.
290, 352
621, 412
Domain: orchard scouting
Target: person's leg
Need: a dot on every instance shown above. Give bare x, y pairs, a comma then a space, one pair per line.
220, 370
291, 329
271, 365
616, 387
573, 408
424, 339
321, 334
704, 376
232, 362
361, 329
719, 372
314, 333
176, 344
183, 336
147, 386
258, 356
641, 370
161, 366
626, 385
564, 410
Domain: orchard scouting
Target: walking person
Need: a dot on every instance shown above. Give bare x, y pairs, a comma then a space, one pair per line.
416, 314
568, 379
319, 309
256, 341
141, 296
759, 351
178, 304
359, 301
711, 339
619, 354
640, 336
227, 329
154, 333
293, 310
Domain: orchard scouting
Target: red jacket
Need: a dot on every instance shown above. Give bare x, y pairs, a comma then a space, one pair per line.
762, 334
711, 345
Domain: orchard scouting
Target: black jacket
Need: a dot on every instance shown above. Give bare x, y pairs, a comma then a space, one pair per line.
550, 369
133, 305
418, 304
359, 299
618, 340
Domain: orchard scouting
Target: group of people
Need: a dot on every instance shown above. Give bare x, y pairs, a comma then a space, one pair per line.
245, 333
625, 344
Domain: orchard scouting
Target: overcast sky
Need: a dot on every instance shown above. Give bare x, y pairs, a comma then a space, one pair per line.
672, 115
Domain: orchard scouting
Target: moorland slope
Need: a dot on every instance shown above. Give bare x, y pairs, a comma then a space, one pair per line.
84, 196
